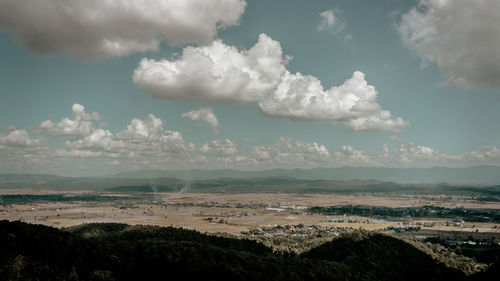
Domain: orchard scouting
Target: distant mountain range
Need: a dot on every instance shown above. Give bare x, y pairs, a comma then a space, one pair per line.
276, 180
477, 175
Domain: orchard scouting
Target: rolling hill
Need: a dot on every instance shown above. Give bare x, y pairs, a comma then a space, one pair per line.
123, 252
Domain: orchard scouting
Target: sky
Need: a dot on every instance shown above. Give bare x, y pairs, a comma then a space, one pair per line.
99, 87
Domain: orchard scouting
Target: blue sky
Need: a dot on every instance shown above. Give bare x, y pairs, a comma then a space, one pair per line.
447, 97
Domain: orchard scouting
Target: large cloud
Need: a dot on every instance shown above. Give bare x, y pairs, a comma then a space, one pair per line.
216, 73
219, 73
93, 28
353, 104
461, 36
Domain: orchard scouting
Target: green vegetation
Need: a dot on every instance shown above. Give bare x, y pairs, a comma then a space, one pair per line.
123, 252
482, 250
31, 198
393, 258
473, 215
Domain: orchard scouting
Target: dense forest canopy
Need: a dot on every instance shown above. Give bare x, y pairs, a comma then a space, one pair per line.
108, 251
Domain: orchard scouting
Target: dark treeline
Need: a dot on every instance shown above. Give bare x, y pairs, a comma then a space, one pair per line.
122, 252
30, 198
482, 250
416, 212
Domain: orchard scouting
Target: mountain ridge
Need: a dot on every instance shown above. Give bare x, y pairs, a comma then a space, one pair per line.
483, 175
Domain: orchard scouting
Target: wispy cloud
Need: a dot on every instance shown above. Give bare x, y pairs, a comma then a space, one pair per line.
328, 20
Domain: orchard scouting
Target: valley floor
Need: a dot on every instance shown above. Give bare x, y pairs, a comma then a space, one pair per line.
239, 214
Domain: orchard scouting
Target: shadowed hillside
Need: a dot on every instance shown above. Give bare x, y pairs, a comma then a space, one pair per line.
122, 252
376, 256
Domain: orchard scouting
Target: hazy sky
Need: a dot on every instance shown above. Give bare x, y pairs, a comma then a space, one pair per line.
96, 87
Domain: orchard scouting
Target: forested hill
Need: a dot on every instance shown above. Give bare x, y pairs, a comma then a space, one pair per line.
122, 252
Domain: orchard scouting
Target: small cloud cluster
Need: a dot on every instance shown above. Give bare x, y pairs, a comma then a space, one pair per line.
94, 28
484, 155
18, 150
223, 151
290, 152
452, 33
78, 125
349, 156
219, 73
141, 137
146, 144
18, 140
410, 153
203, 115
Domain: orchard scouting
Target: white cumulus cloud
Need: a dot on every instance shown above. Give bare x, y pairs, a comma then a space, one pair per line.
461, 36
411, 153
219, 73
78, 125
18, 151
353, 104
17, 139
221, 148
140, 138
216, 73
350, 156
93, 28
290, 152
203, 115
139, 130
484, 155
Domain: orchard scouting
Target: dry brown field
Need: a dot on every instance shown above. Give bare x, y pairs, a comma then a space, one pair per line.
230, 213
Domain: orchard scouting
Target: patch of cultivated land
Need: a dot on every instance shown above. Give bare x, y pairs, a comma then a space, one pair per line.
232, 213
